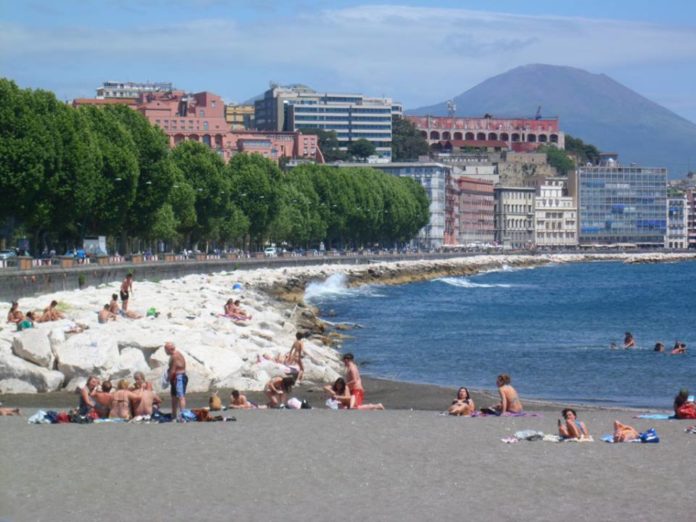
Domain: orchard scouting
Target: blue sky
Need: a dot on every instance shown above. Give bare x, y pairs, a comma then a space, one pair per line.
419, 52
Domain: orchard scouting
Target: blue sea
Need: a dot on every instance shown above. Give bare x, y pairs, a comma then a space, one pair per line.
550, 328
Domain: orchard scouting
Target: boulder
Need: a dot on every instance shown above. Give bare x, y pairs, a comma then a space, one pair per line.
33, 345
131, 360
44, 380
237, 382
56, 337
158, 359
88, 354
144, 339
221, 362
16, 386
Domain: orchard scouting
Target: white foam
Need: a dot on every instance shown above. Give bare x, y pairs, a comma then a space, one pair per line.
336, 286
463, 282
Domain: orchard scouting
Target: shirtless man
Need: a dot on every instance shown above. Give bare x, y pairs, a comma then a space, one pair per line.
177, 379
509, 400
105, 315
353, 380
116, 310
146, 400
126, 290
50, 313
102, 399
15, 315
294, 356
239, 401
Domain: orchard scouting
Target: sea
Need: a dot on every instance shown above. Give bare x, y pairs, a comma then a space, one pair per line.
550, 328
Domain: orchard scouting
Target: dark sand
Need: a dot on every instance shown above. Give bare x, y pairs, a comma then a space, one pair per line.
342, 465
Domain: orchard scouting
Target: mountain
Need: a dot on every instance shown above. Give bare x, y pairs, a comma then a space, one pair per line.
592, 107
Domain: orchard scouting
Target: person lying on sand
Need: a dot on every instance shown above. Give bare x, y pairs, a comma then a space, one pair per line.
15, 315
463, 404
572, 428
509, 400
105, 315
10, 412
102, 399
624, 433
239, 401
115, 309
277, 389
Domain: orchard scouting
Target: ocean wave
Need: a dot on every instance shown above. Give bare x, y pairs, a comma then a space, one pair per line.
463, 282
334, 287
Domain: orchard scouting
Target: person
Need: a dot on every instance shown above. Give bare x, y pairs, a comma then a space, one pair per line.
51, 313
629, 341
509, 400
683, 407
146, 400
15, 315
177, 379
214, 402
105, 315
573, 428
679, 348
339, 392
277, 389
624, 433
126, 290
121, 401
353, 380
612, 346
463, 404
27, 322
102, 399
86, 405
116, 310
239, 401
294, 356
229, 308
659, 347
10, 412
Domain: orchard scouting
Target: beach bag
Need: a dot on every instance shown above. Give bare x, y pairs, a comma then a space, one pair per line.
686, 411
215, 403
306, 405
332, 404
294, 403
39, 418
62, 417
649, 436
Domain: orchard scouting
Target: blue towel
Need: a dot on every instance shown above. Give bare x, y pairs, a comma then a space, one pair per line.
655, 416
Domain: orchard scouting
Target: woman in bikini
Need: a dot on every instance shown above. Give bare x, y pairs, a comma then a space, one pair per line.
573, 428
277, 389
15, 315
121, 401
624, 433
509, 400
340, 393
463, 404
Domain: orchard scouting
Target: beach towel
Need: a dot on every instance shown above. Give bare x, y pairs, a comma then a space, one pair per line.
557, 438
648, 436
506, 414
655, 416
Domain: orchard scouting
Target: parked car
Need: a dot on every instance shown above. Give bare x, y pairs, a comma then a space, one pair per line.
5, 255
270, 252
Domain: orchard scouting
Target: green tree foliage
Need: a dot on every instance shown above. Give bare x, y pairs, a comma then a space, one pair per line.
407, 142
361, 149
584, 152
328, 143
558, 159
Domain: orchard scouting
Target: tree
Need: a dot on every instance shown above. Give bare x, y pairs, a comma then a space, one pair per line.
584, 152
328, 143
361, 149
407, 142
558, 159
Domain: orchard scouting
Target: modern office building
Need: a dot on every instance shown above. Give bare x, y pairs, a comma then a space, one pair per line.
240, 117
435, 178
131, 90
555, 216
691, 217
350, 116
677, 234
476, 211
620, 204
514, 216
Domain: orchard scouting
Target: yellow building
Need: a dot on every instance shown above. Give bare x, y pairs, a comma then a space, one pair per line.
240, 116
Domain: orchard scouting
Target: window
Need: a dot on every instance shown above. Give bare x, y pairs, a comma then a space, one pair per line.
201, 113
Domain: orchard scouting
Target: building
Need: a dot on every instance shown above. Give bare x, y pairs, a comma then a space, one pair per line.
240, 116
476, 211
130, 90
526, 169
555, 216
677, 233
620, 204
350, 116
514, 216
691, 217
201, 117
435, 179
517, 134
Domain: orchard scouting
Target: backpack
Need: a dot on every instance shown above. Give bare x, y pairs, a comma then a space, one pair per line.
686, 411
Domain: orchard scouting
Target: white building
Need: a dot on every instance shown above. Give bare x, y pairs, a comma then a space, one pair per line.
113, 89
677, 234
351, 116
514, 216
555, 216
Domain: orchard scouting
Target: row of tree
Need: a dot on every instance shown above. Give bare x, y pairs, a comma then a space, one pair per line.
66, 173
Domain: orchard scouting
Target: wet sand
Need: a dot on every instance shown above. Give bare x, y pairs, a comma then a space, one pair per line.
343, 465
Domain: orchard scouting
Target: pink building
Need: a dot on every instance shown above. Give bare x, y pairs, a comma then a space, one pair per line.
201, 117
476, 211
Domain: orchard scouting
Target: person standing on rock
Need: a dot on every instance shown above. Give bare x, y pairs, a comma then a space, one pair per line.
126, 290
177, 379
294, 356
353, 380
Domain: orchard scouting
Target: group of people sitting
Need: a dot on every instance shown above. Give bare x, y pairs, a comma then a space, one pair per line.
234, 311
463, 404
113, 311
24, 321
100, 400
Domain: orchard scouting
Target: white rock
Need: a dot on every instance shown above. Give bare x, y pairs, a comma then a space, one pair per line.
44, 380
158, 359
219, 361
86, 354
16, 386
33, 345
131, 360
238, 382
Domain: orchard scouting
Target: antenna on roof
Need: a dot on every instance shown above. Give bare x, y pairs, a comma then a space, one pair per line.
538, 113
451, 108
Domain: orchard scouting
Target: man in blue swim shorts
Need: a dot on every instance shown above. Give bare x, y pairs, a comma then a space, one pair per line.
177, 379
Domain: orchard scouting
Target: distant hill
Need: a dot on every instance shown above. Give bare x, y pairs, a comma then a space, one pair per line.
592, 107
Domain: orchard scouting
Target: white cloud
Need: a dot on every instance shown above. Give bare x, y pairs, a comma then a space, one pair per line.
420, 55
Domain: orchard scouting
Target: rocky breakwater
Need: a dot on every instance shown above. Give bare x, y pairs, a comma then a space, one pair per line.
220, 353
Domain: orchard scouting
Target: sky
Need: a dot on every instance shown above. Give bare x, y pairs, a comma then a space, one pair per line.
419, 52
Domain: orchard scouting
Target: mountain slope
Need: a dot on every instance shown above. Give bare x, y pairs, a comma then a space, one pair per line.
592, 107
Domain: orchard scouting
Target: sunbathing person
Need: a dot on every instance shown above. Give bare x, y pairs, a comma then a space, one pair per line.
573, 428
509, 400
102, 399
15, 315
87, 402
277, 389
121, 401
463, 404
145, 401
624, 433
115, 309
239, 401
340, 393
105, 315
10, 412
50, 313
